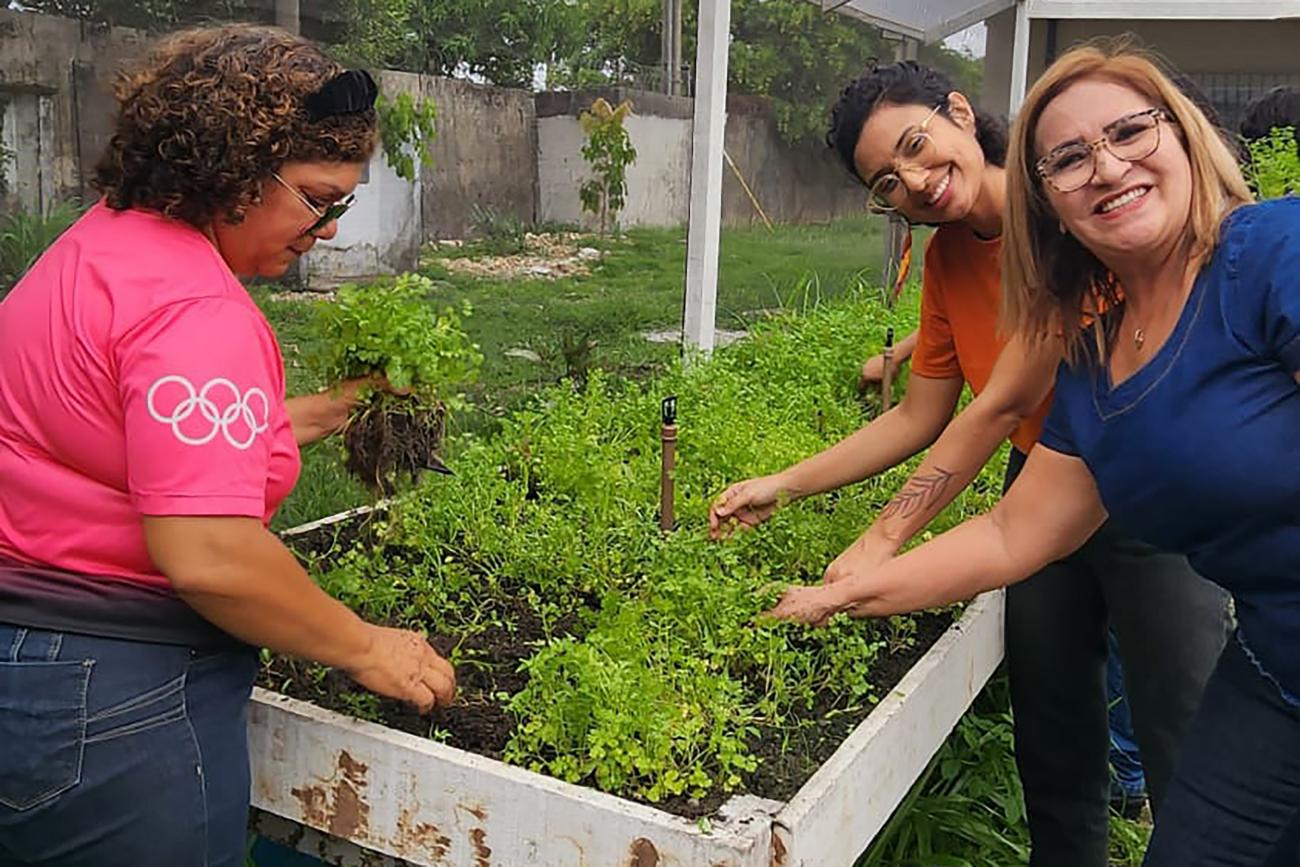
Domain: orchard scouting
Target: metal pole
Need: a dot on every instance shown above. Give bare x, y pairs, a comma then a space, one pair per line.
676, 76
705, 227
1019, 59
666, 47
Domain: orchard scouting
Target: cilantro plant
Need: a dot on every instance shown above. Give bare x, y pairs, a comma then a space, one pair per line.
648, 676
392, 332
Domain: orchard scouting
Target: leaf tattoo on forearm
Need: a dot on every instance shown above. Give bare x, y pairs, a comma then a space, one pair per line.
919, 492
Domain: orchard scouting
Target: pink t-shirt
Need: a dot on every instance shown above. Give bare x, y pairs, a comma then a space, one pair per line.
137, 377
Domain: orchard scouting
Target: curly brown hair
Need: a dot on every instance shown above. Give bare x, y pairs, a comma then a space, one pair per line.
211, 112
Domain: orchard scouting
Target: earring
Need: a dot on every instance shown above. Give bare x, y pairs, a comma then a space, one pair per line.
1061, 225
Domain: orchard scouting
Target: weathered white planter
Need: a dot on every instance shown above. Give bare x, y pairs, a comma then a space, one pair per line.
365, 785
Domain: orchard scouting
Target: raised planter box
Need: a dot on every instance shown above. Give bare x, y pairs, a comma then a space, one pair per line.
351, 789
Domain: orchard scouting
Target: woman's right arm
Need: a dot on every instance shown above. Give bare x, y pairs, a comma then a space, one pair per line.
886, 442
1050, 511
239, 576
1021, 380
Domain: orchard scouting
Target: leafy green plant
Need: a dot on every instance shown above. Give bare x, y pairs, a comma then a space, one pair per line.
406, 129
651, 678
391, 329
25, 236
608, 150
1275, 163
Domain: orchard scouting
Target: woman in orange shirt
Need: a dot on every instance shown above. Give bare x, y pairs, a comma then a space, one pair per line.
925, 152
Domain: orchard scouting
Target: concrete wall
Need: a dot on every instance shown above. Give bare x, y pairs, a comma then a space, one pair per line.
793, 184
56, 89
485, 155
506, 150
384, 229
1231, 60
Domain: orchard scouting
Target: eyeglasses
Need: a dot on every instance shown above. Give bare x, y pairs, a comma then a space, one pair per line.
888, 190
1131, 138
323, 217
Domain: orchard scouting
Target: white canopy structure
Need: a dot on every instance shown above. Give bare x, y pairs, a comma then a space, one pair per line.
1015, 47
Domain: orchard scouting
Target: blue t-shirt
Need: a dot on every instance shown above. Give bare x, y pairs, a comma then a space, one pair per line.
1198, 452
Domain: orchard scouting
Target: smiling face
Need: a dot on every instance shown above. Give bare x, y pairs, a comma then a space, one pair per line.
1129, 211
942, 177
270, 237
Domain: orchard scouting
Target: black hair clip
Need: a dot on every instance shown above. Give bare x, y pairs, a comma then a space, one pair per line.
348, 92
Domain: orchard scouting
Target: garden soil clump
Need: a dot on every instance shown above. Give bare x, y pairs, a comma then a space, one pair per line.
395, 438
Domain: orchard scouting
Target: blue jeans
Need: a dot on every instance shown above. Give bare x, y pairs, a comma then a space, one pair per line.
1125, 757
121, 753
1234, 800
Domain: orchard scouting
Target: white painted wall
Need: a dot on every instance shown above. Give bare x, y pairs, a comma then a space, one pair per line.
658, 183
380, 234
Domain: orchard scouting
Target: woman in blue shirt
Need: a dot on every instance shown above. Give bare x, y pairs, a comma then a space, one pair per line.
1177, 415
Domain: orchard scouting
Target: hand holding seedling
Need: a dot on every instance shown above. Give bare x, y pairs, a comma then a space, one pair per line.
746, 504
400, 664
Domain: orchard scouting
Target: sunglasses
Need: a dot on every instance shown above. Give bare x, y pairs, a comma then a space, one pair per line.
323, 216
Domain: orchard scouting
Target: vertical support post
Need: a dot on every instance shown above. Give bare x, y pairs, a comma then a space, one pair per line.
895, 227
676, 77
287, 17
666, 46
1019, 59
710, 123
896, 230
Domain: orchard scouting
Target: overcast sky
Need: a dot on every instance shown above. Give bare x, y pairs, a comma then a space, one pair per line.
970, 40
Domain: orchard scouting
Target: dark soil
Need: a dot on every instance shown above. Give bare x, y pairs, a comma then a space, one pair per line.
394, 438
488, 666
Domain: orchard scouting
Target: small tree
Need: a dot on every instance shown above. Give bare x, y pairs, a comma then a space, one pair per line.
609, 152
406, 129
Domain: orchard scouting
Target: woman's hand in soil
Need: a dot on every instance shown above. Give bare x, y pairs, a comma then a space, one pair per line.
400, 664
746, 504
864, 556
813, 605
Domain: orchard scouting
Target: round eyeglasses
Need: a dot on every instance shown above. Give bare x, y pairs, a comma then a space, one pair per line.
915, 146
1131, 138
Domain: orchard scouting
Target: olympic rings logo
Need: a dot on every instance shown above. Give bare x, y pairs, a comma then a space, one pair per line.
241, 409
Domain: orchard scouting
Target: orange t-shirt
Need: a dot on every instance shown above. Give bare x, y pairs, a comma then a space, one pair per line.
960, 300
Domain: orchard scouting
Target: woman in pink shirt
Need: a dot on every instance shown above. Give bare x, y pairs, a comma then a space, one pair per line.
145, 442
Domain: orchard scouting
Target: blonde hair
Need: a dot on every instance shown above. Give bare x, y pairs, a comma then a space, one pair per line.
1049, 279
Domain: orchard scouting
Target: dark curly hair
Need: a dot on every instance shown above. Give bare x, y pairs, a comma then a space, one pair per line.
904, 83
210, 113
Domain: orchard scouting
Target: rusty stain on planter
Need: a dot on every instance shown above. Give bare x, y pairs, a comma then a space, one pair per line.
778, 851
336, 804
644, 853
351, 812
475, 810
420, 836
482, 852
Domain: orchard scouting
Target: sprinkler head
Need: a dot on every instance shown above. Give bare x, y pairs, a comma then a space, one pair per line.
668, 410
